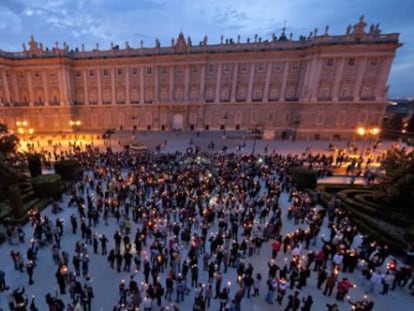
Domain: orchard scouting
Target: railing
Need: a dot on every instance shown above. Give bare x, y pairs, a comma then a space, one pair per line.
229, 47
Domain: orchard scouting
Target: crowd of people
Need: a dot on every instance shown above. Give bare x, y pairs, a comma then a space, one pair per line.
181, 223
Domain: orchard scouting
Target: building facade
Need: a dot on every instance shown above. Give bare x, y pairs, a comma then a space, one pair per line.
320, 86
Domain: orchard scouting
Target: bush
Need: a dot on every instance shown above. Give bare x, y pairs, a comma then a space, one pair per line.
47, 186
304, 178
69, 170
35, 165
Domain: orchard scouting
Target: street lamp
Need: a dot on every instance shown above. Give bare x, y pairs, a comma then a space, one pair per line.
22, 128
366, 133
75, 124
107, 136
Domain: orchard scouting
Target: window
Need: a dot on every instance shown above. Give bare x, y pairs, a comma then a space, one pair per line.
260, 67
36, 75
134, 71
106, 72
277, 67
351, 61
91, 73
211, 68
227, 68
120, 72
244, 68
194, 68
329, 62
373, 62
149, 70
78, 74
294, 66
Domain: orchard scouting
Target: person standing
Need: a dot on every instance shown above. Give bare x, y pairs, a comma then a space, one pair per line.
293, 302
3, 285
330, 284
30, 270
307, 303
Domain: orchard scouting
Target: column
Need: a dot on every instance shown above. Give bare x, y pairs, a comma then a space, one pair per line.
60, 82
380, 87
187, 83
29, 83
202, 82
65, 86
85, 87
218, 84
141, 85
5, 86
45, 90
113, 72
171, 83
15, 87
69, 88
282, 94
99, 84
127, 95
250, 85
234, 83
156, 84
314, 79
362, 62
337, 80
267, 83
305, 89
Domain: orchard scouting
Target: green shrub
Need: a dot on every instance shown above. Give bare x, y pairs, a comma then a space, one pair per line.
304, 178
35, 164
69, 170
47, 186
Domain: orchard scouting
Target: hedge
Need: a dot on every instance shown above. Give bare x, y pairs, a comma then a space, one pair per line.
35, 165
47, 186
69, 170
304, 178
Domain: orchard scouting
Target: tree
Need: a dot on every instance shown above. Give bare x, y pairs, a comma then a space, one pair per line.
397, 183
8, 142
9, 174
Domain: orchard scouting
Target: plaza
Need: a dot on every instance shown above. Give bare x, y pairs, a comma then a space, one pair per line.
105, 281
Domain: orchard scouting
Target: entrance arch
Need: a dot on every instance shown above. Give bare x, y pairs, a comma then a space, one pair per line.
178, 122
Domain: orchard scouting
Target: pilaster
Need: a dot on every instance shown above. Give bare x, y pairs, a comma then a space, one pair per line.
250, 85
218, 84
267, 83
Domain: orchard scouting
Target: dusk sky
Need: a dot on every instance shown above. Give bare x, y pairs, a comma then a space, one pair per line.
78, 22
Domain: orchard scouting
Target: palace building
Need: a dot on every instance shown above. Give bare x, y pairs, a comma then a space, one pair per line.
320, 86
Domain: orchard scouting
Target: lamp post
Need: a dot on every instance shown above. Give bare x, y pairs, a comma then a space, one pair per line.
107, 136
23, 129
366, 132
75, 124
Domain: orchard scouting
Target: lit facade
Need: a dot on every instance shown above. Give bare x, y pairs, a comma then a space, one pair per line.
322, 86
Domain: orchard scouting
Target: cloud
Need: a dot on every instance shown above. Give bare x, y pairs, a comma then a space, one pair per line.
103, 21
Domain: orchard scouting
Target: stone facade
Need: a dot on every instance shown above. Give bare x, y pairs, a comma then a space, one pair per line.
321, 86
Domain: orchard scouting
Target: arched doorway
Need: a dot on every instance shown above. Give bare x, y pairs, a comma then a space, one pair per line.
178, 122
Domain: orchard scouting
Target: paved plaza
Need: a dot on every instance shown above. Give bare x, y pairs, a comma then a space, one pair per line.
105, 281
